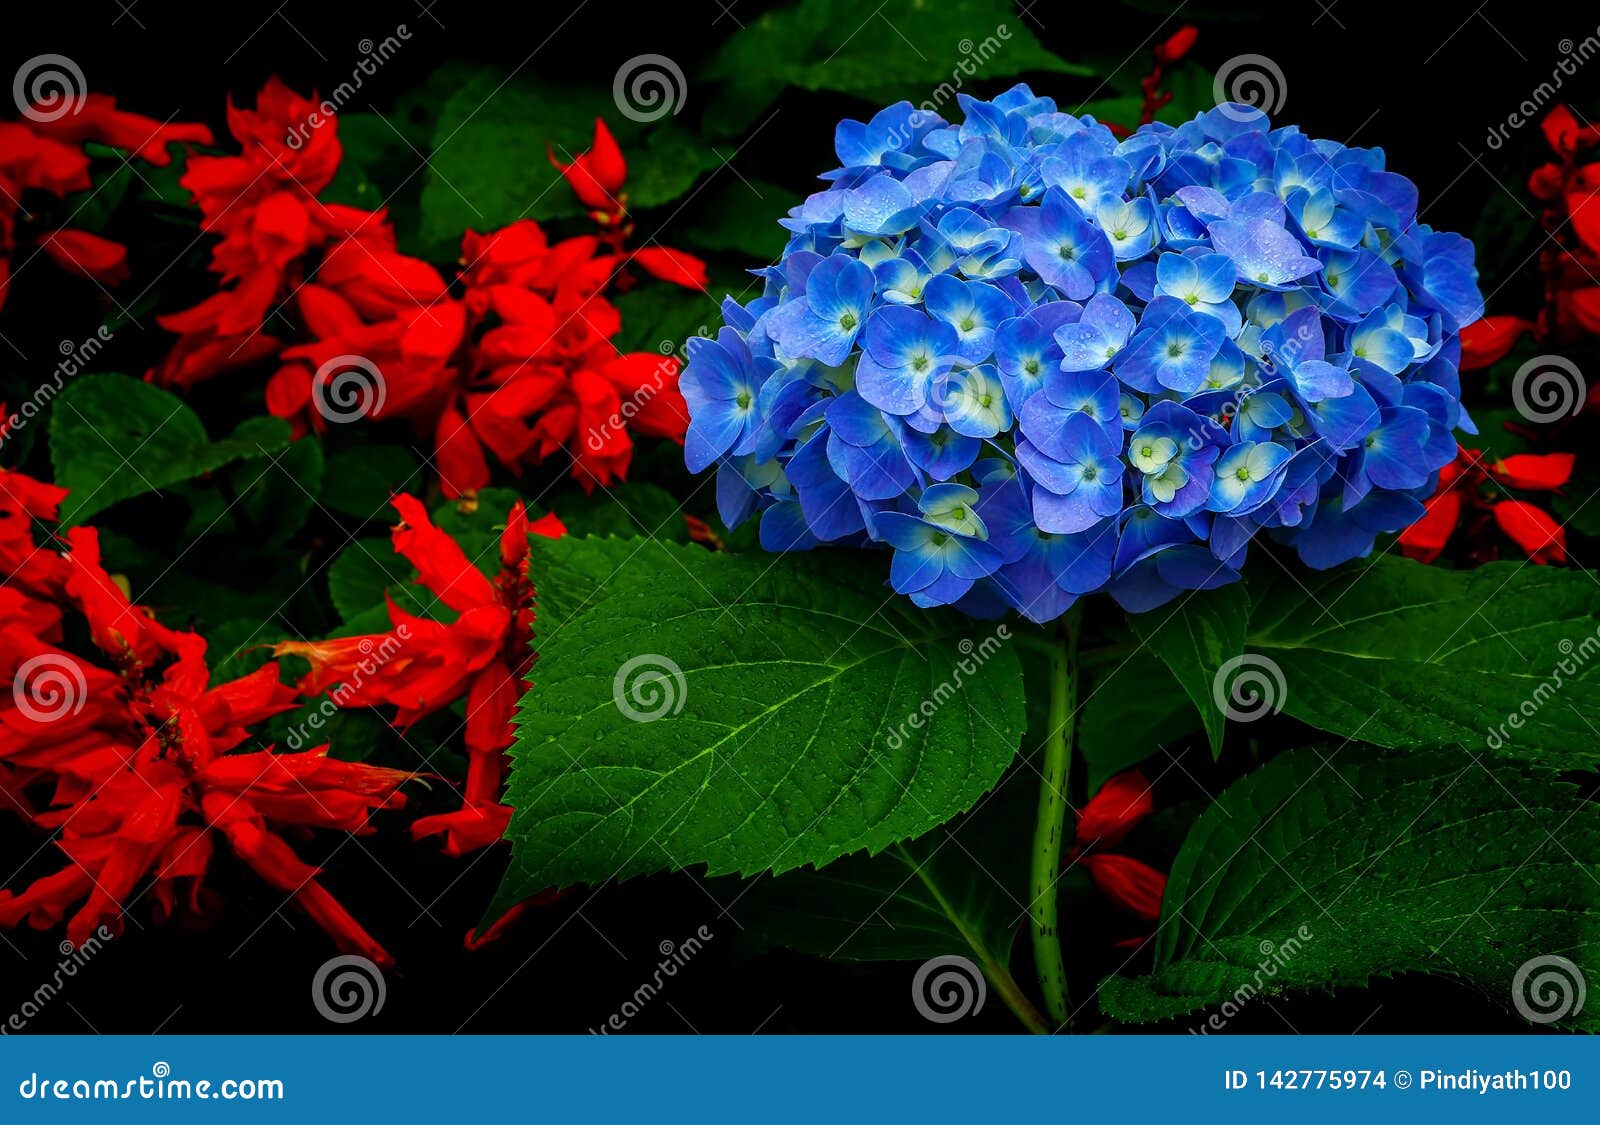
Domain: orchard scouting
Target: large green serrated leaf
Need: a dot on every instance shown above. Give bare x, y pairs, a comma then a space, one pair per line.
784, 689
1404, 655
1328, 868
961, 887
112, 438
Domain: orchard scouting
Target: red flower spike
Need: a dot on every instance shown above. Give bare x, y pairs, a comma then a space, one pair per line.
597, 175
1122, 802
1426, 539
97, 118
1128, 883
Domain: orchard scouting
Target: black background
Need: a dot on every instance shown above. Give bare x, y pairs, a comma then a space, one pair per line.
1424, 81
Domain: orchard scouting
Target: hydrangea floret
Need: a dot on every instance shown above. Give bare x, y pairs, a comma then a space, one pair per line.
1037, 362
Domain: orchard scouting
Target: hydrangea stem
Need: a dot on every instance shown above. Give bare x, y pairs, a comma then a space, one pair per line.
1051, 819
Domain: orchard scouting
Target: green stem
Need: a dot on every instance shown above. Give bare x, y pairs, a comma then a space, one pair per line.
1049, 824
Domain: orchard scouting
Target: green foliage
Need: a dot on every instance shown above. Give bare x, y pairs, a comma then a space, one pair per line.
783, 690
1405, 655
1330, 867
112, 438
961, 887
490, 163
911, 49
1195, 639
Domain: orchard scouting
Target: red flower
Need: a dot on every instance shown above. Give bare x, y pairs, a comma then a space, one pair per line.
1176, 45
596, 176
1135, 886
142, 755
482, 657
1472, 490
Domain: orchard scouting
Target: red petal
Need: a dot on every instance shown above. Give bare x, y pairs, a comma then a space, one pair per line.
442, 566
1486, 341
1426, 539
1540, 472
1584, 211
672, 265
1176, 46
1533, 529
88, 255
1136, 887
1122, 802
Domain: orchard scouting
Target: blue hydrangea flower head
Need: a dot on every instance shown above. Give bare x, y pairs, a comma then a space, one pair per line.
1031, 361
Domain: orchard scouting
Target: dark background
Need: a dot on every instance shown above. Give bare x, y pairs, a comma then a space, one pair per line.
1424, 81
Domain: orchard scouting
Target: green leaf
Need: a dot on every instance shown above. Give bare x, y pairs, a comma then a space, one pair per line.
912, 49
741, 217
627, 510
1195, 639
1321, 872
661, 318
1405, 655
490, 165
784, 688
360, 480
112, 437
1132, 708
